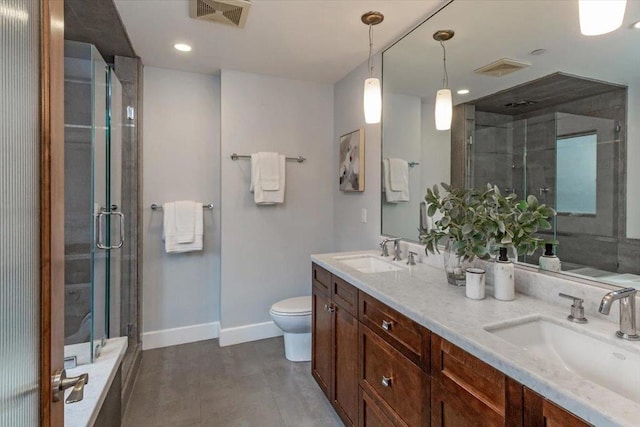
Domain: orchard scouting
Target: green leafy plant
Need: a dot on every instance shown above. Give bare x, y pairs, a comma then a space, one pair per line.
478, 221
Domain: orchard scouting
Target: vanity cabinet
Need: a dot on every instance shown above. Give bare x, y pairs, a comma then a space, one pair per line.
377, 367
335, 342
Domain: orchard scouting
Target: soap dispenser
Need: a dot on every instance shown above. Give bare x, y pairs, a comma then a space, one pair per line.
503, 281
549, 261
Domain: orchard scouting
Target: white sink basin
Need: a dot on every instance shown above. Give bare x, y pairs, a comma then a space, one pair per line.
368, 263
613, 367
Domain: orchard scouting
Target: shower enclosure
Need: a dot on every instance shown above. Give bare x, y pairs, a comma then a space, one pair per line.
94, 223
569, 162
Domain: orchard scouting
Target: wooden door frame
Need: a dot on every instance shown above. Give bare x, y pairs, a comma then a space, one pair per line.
51, 206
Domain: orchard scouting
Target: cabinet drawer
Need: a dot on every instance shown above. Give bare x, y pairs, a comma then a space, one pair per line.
345, 295
539, 411
393, 380
404, 334
320, 278
454, 367
371, 415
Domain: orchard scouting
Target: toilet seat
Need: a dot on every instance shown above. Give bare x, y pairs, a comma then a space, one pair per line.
298, 306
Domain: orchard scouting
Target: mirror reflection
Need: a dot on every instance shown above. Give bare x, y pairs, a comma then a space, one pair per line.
538, 108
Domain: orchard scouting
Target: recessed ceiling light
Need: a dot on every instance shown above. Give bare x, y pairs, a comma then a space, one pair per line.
182, 47
463, 91
636, 25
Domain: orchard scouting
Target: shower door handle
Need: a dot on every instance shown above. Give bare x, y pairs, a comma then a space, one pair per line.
100, 225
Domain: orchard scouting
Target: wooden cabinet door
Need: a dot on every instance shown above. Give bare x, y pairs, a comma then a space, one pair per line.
539, 412
344, 387
321, 339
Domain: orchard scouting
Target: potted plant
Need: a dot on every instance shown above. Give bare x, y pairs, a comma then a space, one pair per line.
474, 223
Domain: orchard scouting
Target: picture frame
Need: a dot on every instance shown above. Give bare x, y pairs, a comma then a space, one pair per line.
351, 161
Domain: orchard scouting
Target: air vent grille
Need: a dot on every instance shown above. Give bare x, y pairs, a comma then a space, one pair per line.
521, 103
230, 12
502, 67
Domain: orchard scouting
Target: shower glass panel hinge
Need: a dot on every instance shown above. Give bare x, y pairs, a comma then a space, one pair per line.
131, 114
70, 362
129, 329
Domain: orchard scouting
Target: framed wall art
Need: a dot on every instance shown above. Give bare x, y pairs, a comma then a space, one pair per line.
351, 162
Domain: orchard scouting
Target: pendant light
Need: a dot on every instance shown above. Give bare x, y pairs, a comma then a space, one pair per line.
600, 16
372, 98
444, 102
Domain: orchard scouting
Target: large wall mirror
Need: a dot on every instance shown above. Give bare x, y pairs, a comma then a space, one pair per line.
539, 109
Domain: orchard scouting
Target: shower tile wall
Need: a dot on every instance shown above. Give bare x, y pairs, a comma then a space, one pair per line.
493, 151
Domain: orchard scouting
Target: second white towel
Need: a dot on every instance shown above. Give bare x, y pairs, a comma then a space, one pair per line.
261, 194
401, 178
169, 230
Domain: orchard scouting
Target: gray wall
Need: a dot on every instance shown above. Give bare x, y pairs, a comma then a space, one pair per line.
350, 233
266, 249
181, 158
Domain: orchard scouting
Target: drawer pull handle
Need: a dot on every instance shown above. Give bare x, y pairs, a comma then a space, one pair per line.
386, 325
386, 381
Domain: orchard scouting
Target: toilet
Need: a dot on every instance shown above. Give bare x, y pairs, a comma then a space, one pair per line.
293, 316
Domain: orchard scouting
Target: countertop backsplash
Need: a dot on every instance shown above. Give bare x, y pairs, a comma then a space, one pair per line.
531, 281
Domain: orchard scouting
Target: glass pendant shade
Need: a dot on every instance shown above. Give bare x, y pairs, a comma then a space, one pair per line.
444, 109
372, 101
600, 16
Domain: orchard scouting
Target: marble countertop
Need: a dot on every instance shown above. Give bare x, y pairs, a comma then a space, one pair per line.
101, 374
423, 294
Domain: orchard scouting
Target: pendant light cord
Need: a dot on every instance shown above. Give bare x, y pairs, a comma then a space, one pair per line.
370, 63
445, 79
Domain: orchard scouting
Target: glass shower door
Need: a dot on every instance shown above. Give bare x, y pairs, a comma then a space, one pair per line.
99, 202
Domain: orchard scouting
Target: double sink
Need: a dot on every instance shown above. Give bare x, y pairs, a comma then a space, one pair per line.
571, 347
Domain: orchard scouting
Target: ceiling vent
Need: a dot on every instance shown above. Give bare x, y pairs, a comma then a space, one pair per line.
230, 12
521, 103
502, 67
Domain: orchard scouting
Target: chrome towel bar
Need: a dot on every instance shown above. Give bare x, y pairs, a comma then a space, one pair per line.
236, 156
157, 207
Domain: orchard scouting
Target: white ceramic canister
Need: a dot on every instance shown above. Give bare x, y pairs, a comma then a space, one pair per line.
475, 287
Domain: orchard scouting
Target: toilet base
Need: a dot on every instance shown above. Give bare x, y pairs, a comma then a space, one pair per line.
297, 347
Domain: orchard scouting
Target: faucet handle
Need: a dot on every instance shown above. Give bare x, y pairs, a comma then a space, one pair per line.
383, 247
577, 310
411, 260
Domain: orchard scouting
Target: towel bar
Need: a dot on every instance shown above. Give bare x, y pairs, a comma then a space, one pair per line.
157, 207
236, 156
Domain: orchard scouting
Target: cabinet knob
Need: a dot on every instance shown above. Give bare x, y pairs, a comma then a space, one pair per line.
386, 325
326, 307
331, 309
386, 381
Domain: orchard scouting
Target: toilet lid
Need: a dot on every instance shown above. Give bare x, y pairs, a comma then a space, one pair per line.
297, 305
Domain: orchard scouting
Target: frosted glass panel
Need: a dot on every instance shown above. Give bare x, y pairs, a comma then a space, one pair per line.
19, 213
577, 174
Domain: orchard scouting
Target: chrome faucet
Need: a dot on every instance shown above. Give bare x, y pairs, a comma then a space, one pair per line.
396, 247
627, 299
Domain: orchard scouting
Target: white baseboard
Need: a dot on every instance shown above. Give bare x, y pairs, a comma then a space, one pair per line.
176, 336
246, 333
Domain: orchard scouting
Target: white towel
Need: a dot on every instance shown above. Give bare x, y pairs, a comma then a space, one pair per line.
390, 195
269, 171
171, 245
398, 174
260, 195
185, 221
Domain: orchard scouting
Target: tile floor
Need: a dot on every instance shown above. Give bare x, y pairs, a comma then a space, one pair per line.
204, 385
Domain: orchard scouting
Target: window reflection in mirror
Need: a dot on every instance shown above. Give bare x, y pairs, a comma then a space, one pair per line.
576, 186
